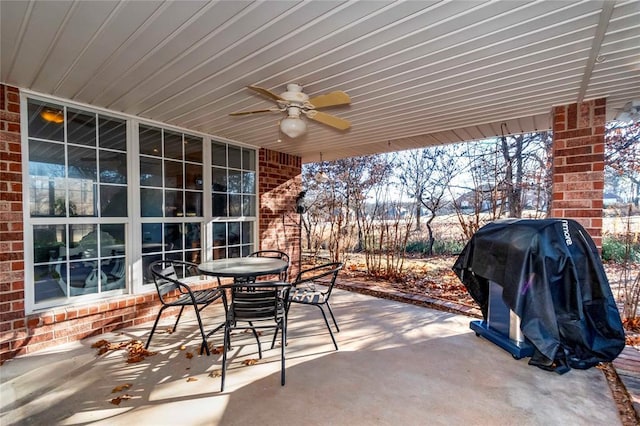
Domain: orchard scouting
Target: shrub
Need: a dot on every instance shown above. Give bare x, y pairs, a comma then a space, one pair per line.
616, 249
441, 247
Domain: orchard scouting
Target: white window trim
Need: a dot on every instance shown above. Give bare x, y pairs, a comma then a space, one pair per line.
133, 256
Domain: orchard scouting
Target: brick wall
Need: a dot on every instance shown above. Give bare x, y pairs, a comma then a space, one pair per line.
12, 319
280, 183
578, 164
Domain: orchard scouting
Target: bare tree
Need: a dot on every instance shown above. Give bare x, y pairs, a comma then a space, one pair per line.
426, 174
622, 154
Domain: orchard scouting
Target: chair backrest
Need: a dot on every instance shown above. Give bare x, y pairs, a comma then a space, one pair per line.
277, 254
167, 273
325, 274
258, 301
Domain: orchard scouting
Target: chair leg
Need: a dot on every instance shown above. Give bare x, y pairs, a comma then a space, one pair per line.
153, 329
332, 317
227, 338
255, 334
178, 319
328, 326
202, 333
282, 351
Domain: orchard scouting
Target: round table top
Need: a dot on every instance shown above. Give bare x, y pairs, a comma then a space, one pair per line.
239, 267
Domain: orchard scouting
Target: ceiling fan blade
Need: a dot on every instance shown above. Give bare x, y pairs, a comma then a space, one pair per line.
330, 99
268, 93
328, 119
254, 111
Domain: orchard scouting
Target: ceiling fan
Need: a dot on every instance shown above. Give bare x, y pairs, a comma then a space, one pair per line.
295, 103
629, 112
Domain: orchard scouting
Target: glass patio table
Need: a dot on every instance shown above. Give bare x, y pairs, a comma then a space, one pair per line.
243, 268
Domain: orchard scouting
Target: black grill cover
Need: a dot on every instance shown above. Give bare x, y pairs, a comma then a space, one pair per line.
553, 279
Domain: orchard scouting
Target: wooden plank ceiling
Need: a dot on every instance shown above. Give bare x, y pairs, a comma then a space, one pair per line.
418, 72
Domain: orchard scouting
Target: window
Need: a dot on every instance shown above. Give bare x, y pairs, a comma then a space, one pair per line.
87, 238
170, 196
233, 199
77, 197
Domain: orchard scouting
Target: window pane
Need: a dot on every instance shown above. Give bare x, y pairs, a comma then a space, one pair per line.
46, 173
234, 233
114, 270
248, 159
249, 182
235, 205
193, 202
248, 205
193, 176
235, 157
235, 181
50, 281
150, 202
84, 277
151, 237
113, 201
48, 243
193, 149
233, 252
247, 232
83, 241
46, 120
218, 180
83, 163
172, 145
146, 261
150, 172
173, 236
219, 253
192, 235
113, 167
173, 175
219, 234
112, 133
219, 205
173, 204
112, 240
218, 154
150, 141
81, 127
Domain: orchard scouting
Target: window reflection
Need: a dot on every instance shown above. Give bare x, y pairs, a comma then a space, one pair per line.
81, 127
46, 120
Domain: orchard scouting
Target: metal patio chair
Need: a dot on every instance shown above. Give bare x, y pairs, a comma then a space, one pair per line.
172, 292
253, 306
313, 287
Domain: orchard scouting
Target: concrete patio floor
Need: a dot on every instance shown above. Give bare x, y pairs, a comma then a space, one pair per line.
398, 364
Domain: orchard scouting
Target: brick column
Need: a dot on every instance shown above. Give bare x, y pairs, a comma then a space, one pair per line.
578, 164
12, 318
279, 185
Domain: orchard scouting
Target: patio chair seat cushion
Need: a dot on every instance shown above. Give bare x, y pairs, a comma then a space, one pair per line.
307, 295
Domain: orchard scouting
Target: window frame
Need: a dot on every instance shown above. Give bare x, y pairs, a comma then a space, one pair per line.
134, 220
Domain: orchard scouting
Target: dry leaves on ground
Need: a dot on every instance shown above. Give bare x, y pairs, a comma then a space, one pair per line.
136, 351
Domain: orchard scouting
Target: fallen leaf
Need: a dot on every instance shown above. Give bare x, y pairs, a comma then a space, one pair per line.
183, 347
192, 379
117, 400
250, 361
189, 355
120, 388
215, 373
217, 350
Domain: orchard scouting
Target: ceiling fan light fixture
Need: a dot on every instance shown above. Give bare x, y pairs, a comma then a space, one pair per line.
293, 126
630, 112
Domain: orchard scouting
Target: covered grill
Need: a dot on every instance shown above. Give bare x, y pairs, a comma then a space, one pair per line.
552, 280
